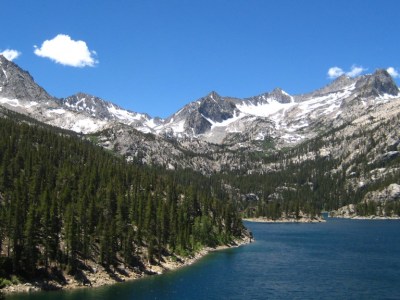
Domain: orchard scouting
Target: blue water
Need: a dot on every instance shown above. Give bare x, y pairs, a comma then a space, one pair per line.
339, 259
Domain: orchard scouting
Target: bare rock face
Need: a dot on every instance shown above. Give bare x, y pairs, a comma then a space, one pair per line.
104, 110
377, 84
92, 105
197, 124
217, 133
16, 83
336, 86
390, 193
215, 109
199, 116
277, 95
348, 211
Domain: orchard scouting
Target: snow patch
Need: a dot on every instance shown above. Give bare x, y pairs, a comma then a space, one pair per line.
144, 129
227, 122
11, 102
178, 127
58, 111
209, 120
86, 126
151, 124
386, 97
123, 114
265, 109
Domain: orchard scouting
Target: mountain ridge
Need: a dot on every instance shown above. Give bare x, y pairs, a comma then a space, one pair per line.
211, 118
266, 122
344, 134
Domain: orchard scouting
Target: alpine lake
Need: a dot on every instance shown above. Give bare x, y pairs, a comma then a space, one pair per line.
338, 259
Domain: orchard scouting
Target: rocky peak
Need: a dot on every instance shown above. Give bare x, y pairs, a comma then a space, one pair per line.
280, 95
89, 104
216, 108
83, 100
276, 94
99, 108
16, 83
198, 116
339, 84
342, 81
377, 84
214, 96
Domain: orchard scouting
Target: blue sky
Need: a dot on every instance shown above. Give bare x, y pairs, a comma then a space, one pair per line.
155, 56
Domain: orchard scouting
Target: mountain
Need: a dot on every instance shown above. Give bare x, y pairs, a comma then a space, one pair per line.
255, 135
98, 108
277, 116
213, 127
18, 84
19, 92
193, 175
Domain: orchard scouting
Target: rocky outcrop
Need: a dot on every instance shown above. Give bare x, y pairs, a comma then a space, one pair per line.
348, 212
89, 104
373, 206
377, 84
290, 218
277, 94
104, 110
244, 129
16, 83
95, 275
390, 193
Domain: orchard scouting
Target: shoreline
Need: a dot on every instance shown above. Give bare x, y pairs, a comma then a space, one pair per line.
286, 220
99, 276
365, 217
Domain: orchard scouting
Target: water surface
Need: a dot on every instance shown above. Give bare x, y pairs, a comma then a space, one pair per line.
339, 259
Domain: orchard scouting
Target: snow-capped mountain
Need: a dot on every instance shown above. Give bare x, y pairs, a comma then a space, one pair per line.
80, 113
346, 132
19, 92
285, 119
98, 108
278, 115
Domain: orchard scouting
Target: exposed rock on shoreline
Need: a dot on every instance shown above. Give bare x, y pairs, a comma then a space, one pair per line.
287, 220
350, 212
96, 276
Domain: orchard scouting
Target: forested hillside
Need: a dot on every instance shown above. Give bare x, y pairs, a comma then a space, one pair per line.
355, 164
64, 200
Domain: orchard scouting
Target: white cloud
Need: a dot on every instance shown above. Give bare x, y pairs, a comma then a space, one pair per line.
393, 72
355, 71
10, 54
335, 72
63, 50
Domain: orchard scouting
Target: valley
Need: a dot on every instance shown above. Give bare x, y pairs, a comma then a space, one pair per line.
77, 172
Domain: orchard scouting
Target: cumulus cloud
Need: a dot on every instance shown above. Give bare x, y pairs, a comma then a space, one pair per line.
393, 72
64, 50
335, 72
355, 71
10, 54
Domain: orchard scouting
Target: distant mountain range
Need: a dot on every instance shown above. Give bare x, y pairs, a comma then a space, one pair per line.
213, 118
338, 145
207, 124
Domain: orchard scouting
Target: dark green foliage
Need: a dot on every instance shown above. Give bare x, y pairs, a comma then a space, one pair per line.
62, 200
